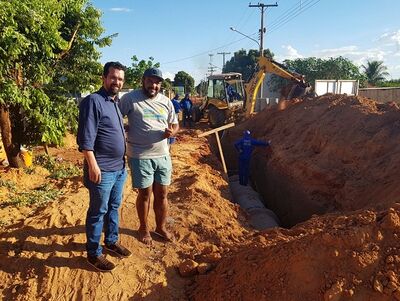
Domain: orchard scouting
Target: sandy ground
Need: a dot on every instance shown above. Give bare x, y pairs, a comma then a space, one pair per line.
340, 152
42, 252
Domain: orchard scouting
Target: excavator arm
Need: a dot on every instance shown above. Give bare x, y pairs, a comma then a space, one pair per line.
265, 65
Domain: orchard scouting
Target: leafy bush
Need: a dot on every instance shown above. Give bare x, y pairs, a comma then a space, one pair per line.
57, 168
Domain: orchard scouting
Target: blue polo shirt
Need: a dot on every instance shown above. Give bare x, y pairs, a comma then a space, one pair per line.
101, 130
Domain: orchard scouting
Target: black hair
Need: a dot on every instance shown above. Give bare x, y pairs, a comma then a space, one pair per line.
115, 65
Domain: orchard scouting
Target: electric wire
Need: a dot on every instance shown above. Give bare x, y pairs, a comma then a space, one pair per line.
289, 15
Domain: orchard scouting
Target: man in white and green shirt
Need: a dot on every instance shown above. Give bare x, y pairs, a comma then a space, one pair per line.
152, 120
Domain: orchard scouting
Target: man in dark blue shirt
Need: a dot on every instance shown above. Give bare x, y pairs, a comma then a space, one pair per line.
186, 105
175, 102
101, 138
245, 147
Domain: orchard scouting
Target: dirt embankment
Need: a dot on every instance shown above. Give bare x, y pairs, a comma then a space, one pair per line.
332, 153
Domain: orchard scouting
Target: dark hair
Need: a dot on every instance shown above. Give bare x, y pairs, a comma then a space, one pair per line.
115, 65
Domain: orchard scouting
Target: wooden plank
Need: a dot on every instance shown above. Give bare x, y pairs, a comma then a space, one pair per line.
220, 152
224, 127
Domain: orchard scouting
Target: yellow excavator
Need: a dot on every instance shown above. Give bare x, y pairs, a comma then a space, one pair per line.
227, 97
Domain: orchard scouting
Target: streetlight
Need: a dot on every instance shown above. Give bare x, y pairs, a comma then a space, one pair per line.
234, 29
261, 51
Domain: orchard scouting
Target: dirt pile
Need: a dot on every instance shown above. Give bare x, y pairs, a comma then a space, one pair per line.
331, 153
334, 257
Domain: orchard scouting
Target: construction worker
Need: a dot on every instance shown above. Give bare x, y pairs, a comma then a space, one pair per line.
230, 92
175, 102
186, 105
245, 147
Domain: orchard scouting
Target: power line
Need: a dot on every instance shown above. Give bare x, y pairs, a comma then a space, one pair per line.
307, 5
262, 7
204, 52
223, 57
285, 18
211, 67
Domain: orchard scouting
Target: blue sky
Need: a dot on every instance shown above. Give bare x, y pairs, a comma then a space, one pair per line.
181, 35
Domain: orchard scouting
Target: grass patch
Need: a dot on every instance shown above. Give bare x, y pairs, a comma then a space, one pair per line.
39, 196
10, 185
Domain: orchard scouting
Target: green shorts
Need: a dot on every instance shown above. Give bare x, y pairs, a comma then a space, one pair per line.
145, 172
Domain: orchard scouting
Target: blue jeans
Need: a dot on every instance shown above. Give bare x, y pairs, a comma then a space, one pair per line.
105, 199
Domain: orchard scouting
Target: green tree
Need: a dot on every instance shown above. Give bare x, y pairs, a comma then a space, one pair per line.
47, 54
245, 63
167, 84
134, 73
390, 83
184, 79
375, 72
201, 88
332, 68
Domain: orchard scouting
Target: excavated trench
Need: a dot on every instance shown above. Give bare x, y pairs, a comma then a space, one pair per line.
270, 199
334, 153
251, 199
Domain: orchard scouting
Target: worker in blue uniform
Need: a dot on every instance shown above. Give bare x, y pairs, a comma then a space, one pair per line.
245, 147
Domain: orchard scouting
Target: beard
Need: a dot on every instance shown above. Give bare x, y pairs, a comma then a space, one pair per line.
150, 92
113, 90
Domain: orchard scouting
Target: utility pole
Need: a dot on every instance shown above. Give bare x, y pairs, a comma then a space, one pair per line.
262, 29
211, 68
223, 57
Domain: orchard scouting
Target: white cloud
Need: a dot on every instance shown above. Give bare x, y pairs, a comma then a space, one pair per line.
169, 75
120, 9
354, 54
334, 52
391, 37
289, 53
381, 50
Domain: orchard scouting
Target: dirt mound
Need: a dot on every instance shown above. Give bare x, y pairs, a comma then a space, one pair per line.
335, 257
331, 153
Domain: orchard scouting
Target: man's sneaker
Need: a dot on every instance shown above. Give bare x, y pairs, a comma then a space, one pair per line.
117, 248
101, 263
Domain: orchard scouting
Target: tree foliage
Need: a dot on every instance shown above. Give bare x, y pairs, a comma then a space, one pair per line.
375, 72
201, 88
134, 73
389, 83
184, 79
331, 68
167, 84
245, 62
47, 54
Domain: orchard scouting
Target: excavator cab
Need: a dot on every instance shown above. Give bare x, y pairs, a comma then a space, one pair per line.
225, 95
